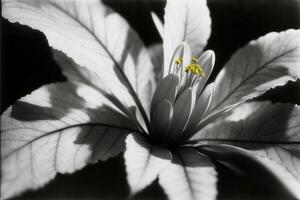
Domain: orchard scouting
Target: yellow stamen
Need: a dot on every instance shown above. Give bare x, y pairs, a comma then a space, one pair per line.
203, 75
194, 68
194, 60
178, 61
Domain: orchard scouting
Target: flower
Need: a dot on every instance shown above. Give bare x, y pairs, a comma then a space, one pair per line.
179, 102
175, 133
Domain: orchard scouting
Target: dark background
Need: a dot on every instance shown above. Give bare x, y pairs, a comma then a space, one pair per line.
26, 64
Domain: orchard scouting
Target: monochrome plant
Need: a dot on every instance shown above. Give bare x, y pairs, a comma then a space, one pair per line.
173, 129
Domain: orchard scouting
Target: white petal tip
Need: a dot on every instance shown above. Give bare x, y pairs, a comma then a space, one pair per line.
207, 60
211, 55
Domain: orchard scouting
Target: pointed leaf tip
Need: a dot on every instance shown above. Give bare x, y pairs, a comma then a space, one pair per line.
158, 24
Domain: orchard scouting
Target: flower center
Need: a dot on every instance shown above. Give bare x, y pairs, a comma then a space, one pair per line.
189, 74
195, 68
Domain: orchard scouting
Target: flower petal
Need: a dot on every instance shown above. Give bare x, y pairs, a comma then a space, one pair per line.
166, 90
200, 109
182, 51
183, 108
162, 118
207, 62
185, 21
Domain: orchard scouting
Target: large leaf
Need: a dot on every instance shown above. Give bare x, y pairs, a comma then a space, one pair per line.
260, 170
265, 63
190, 176
58, 128
95, 37
271, 132
156, 55
73, 72
143, 162
185, 21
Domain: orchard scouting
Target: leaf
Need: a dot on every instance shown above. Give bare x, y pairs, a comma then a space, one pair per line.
156, 55
260, 170
143, 162
185, 21
73, 72
95, 37
271, 132
269, 61
191, 176
158, 24
58, 128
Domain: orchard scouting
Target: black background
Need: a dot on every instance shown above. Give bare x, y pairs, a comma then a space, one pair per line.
26, 64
